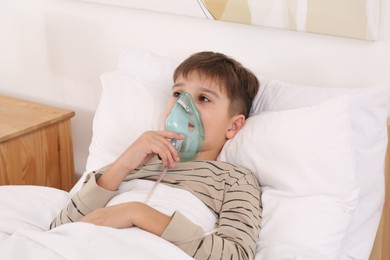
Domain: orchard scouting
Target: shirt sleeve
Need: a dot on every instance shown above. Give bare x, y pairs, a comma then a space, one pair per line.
237, 228
89, 198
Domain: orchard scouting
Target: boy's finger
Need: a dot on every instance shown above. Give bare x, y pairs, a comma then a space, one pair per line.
172, 135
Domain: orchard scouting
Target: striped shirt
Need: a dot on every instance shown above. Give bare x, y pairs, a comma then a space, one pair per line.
231, 193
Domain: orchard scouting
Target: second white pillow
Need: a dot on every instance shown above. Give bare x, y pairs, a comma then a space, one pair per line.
305, 161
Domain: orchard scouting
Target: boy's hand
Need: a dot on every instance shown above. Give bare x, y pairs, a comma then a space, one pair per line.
128, 215
117, 216
147, 146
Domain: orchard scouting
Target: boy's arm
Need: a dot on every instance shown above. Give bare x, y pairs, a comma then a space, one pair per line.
88, 205
238, 226
97, 192
89, 198
147, 146
130, 214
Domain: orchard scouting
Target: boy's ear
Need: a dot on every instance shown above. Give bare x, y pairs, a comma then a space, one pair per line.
237, 122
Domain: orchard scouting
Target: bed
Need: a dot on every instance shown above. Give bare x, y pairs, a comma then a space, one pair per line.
318, 153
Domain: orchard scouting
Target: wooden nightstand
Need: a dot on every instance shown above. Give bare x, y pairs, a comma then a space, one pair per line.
35, 144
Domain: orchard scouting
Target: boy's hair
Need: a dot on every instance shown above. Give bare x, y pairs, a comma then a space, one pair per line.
240, 84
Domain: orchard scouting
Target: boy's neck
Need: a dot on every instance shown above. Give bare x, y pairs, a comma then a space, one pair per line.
207, 156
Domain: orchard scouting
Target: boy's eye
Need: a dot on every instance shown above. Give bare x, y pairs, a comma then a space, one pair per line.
204, 99
176, 94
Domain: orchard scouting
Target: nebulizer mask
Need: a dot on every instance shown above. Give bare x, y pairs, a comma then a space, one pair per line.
185, 119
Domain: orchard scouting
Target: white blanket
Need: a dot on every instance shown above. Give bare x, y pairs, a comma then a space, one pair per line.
86, 241
26, 212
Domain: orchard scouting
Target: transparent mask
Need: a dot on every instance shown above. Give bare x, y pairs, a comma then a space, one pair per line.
185, 119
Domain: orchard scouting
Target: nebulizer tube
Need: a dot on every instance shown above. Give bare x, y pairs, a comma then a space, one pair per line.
156, 184
184, 119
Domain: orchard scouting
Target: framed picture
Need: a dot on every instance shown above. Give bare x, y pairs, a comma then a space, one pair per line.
347, 18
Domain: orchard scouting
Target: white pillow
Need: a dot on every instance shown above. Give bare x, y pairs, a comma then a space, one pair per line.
368, 111
133, 101
304, 159
127, 109
142, 77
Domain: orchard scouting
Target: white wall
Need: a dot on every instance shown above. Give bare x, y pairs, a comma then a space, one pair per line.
53, 51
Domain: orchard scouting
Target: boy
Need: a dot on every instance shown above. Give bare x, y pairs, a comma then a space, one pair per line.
223, 91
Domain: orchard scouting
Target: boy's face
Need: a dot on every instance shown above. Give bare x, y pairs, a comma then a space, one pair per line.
213, 105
